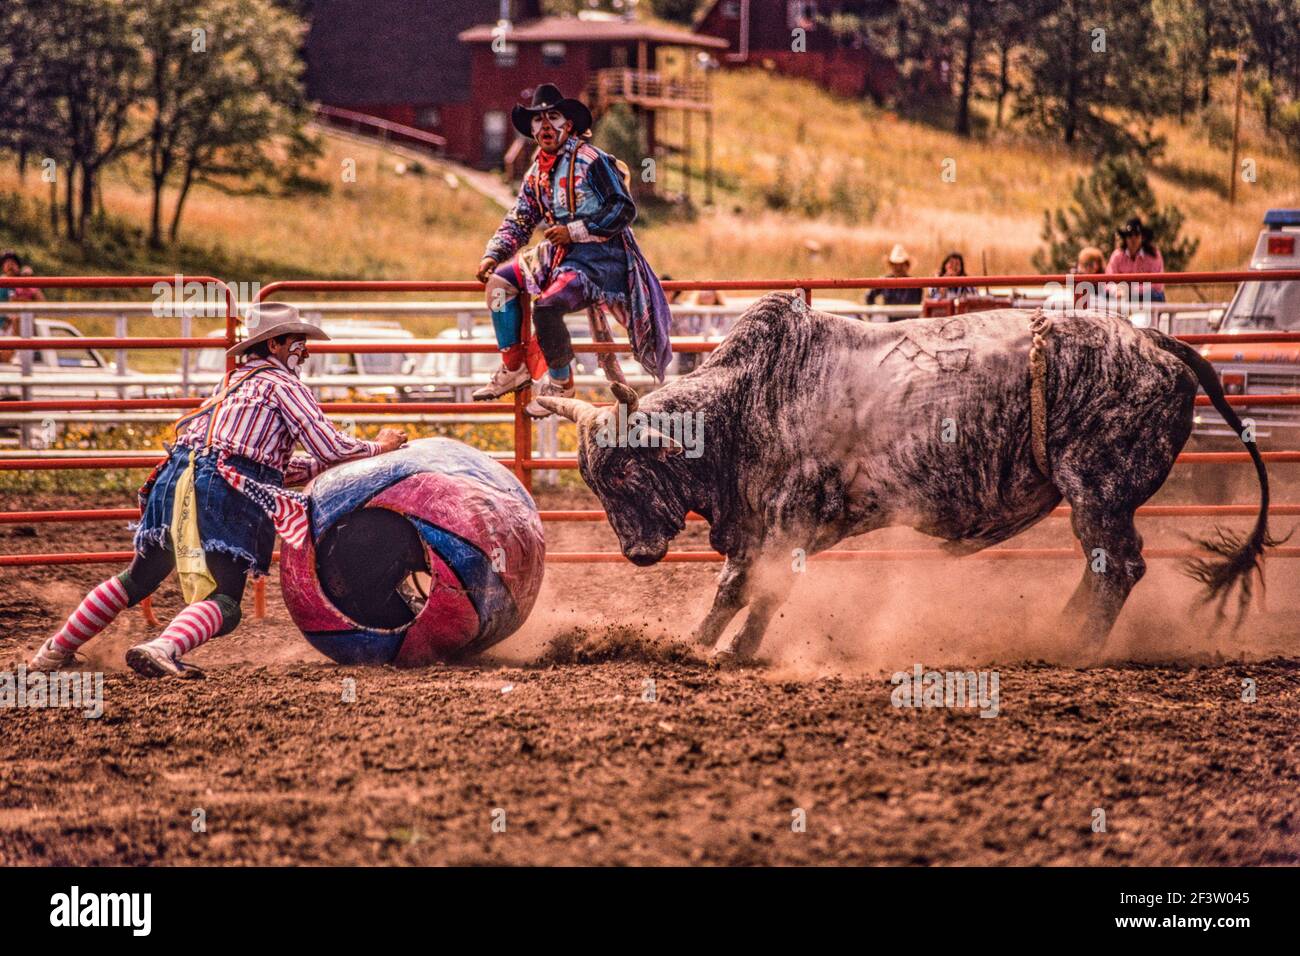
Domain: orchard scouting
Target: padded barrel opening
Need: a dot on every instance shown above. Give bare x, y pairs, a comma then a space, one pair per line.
371, 564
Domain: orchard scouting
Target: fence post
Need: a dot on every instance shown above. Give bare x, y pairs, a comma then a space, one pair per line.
187, 331
27, 329
464, 363
523, 424
119, 356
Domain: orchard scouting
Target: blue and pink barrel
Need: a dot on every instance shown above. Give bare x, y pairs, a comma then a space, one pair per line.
426, 554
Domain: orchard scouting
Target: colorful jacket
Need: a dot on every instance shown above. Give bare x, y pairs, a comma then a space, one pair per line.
584, 192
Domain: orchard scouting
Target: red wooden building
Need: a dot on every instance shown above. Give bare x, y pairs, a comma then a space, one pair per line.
761, 33
400, 60
601, 59
456, 67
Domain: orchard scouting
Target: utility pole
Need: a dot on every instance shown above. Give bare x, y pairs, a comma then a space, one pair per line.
1236, 135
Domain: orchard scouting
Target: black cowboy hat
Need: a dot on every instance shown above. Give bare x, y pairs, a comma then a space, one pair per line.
1134, 227
547, 96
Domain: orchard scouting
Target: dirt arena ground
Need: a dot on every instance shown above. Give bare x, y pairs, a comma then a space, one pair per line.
549, 752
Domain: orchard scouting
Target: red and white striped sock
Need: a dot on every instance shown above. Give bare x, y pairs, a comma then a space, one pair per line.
94, 614
190, 628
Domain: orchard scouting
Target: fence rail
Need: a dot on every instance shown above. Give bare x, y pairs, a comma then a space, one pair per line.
522, 459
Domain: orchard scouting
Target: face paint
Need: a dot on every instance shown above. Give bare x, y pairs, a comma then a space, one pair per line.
293, 361
554, 118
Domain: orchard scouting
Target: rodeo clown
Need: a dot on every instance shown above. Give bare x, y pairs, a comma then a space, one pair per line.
211, 510
589, 257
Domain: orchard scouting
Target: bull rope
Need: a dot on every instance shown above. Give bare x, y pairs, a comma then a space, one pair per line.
1039, 326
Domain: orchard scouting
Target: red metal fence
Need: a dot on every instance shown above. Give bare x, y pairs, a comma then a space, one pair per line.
522, 462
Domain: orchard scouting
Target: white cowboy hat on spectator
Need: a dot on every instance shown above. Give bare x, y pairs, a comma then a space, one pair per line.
266, 320
898, 255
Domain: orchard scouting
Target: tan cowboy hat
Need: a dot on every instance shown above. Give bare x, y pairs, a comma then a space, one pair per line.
898, 255
266, 320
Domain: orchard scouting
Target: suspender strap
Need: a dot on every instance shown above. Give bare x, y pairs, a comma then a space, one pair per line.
210, 406
573, 196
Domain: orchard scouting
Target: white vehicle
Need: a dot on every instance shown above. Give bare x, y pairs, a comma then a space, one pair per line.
477, 367
63, 371
327, 372
66, 370
1268, 368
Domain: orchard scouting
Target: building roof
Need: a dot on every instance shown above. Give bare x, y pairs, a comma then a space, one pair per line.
368, 52
586, 30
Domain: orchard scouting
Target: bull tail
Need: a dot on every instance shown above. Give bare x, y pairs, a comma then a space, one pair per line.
1238, 558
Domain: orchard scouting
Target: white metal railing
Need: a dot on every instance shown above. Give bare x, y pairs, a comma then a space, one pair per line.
708, 322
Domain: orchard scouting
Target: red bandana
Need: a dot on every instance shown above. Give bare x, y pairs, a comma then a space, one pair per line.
545, 161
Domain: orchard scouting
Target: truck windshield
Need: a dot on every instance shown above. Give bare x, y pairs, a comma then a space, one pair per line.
1265, 305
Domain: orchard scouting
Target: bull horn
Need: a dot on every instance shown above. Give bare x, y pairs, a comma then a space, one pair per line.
574, 409
625, 395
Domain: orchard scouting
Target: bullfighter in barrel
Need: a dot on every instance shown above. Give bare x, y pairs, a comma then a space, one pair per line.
212, 509
589, 257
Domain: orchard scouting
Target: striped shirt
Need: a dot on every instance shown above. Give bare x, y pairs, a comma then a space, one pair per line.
265, 417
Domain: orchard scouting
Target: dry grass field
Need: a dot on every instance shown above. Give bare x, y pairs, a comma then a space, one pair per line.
850, 180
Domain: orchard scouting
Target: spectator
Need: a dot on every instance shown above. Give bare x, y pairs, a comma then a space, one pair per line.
1089, 291
1135, 252
690, 323
10, 266
953, 265
900, 267
7, 328
26, 293
1090, 262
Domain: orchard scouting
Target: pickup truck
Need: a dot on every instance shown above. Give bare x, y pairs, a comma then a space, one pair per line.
1271, 368
65, 370
62, 371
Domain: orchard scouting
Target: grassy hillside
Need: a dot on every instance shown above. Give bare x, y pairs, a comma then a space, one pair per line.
809, 185
386, 224
873, 179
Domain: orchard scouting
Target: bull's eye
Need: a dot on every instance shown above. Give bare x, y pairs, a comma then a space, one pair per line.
621, 473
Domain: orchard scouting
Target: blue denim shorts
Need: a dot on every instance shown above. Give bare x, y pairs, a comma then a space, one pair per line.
229, 521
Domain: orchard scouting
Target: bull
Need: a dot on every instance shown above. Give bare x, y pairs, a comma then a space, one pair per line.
817, 428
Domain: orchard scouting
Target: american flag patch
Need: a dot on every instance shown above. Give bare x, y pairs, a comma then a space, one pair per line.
287, 509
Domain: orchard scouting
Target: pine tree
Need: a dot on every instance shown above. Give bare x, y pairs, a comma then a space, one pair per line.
1086, 60
1116, 191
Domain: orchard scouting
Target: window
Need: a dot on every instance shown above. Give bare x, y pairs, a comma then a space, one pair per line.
508, 56
428, 116
73, 358
1265, 305
380, 363
552, 54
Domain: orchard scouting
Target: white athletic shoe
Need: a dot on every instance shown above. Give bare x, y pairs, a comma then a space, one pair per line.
152, 659
504, 382
51, 657
548, 389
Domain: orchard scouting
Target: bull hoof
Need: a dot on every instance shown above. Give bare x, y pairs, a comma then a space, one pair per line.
723, 657
730, 658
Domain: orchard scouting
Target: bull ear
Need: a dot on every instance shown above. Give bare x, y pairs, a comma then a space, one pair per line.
574, 409
625, 395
